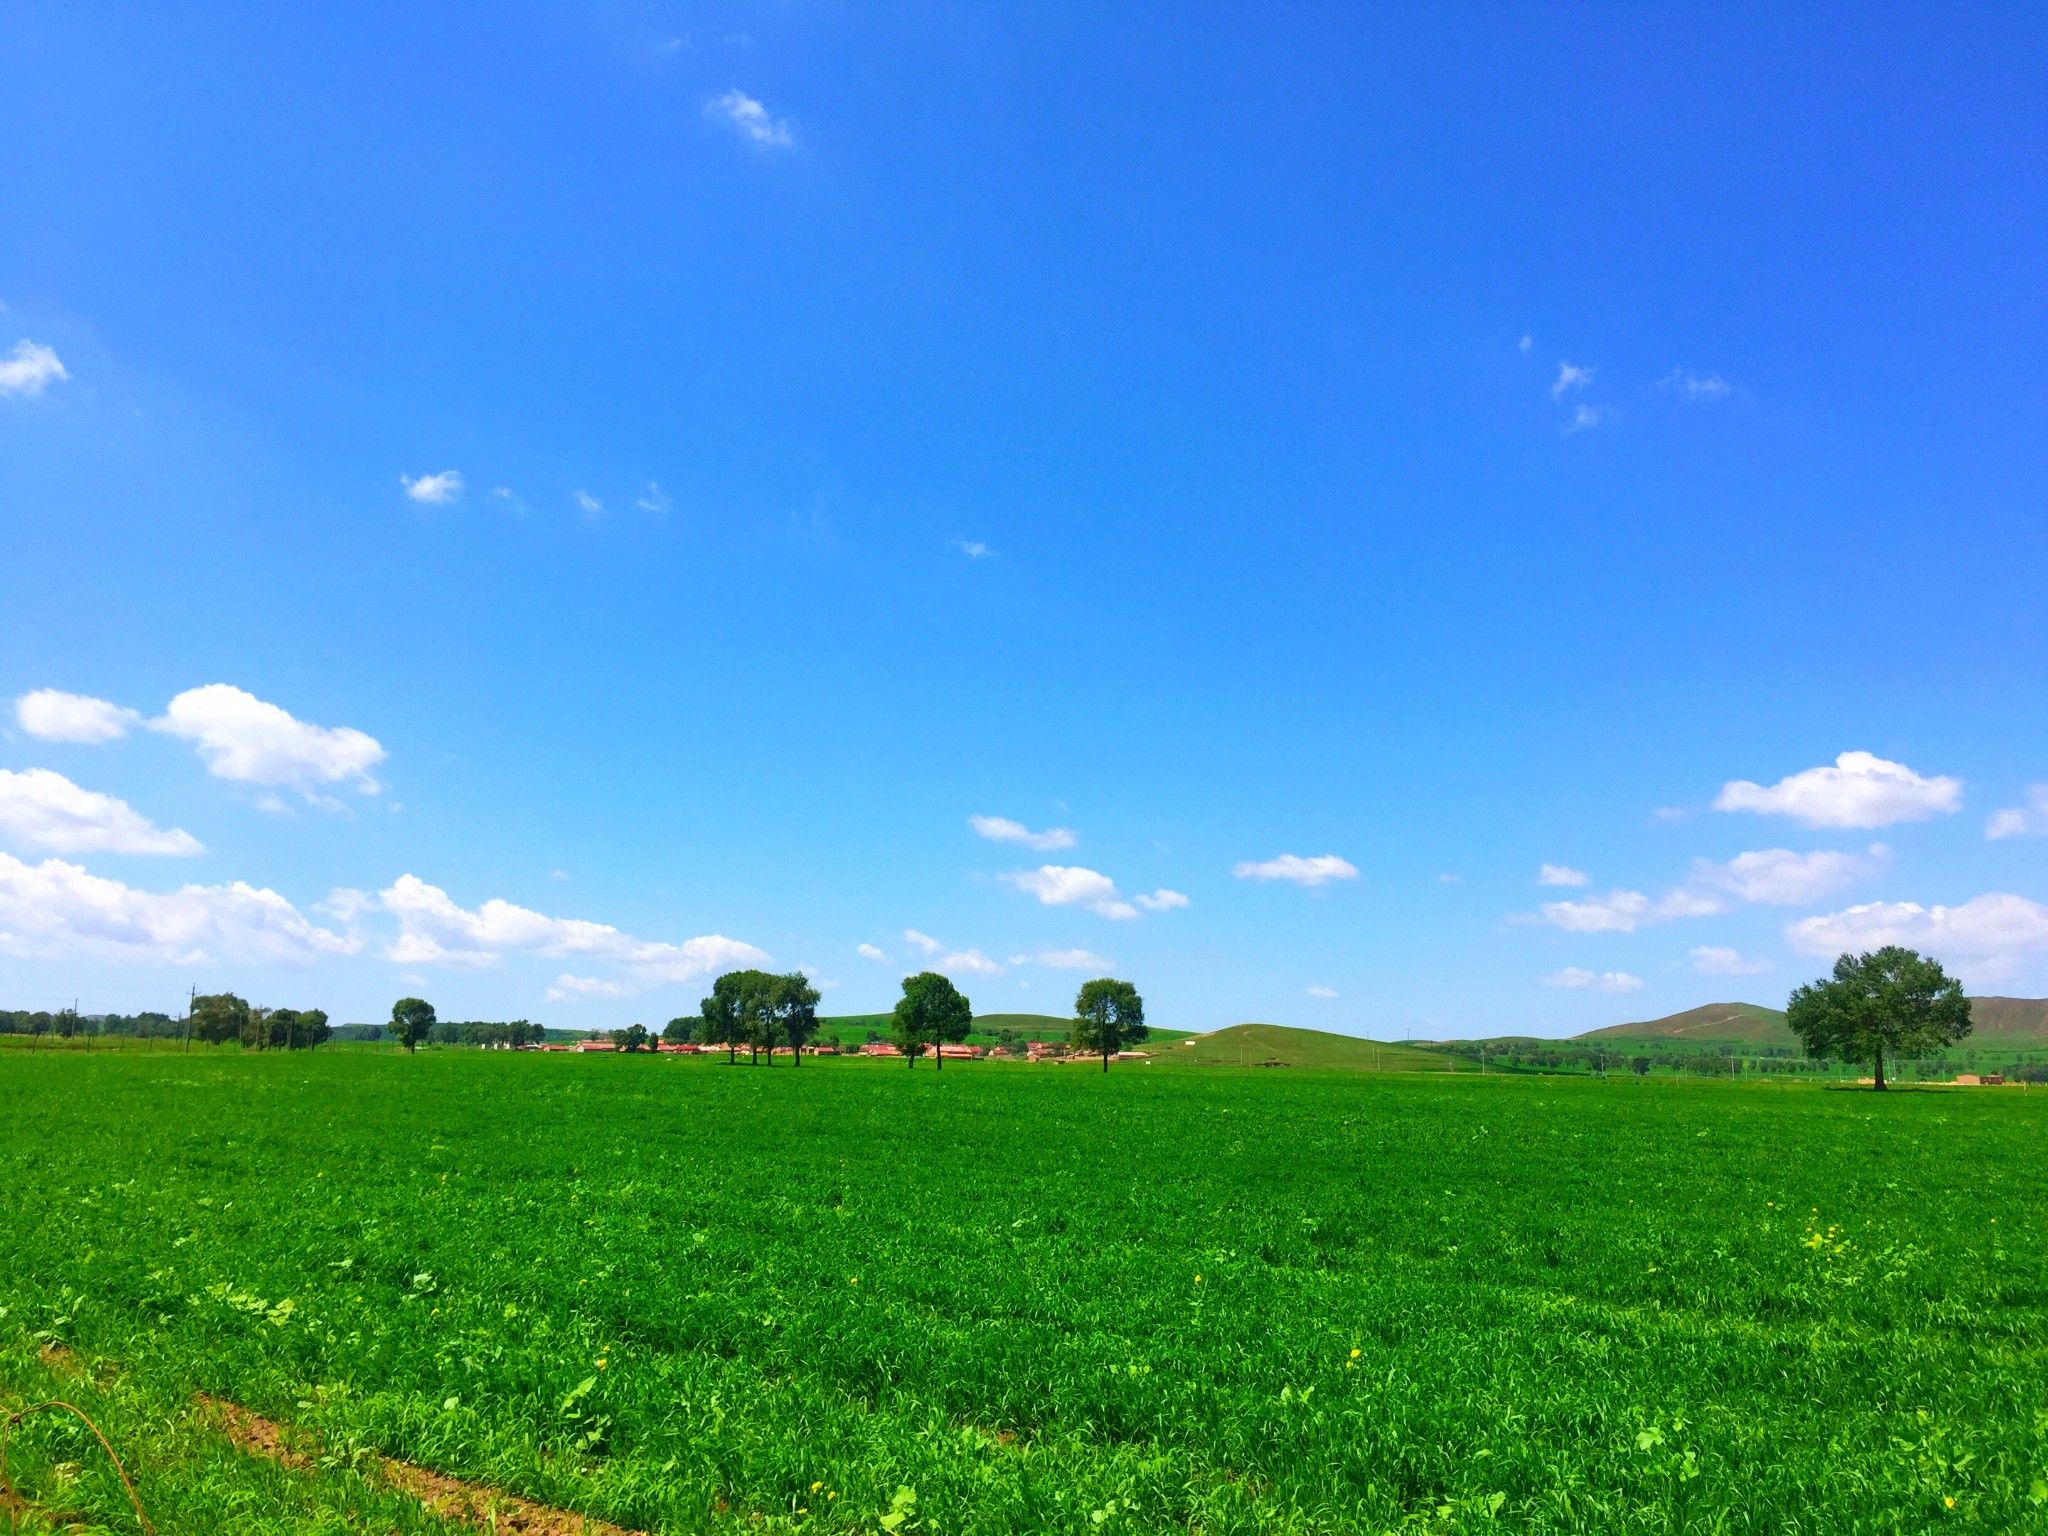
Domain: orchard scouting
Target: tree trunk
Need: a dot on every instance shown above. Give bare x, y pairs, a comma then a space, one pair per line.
1878, 1082
1105, 1058
939, 1057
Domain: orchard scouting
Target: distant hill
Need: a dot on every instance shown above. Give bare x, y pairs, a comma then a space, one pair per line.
2008, 1023
1251, 1045
1032, 1026
1712, 1023
2018, 1023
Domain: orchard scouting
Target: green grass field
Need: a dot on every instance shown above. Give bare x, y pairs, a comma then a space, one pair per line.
688, 1297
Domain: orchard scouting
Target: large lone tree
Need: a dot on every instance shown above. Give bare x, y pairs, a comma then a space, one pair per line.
931, 1012
412, 1020
794, 1012
1108, 1015
1891, 999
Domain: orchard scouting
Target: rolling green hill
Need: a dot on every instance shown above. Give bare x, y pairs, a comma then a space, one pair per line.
1711, 1023
987, 1026
1251, 1045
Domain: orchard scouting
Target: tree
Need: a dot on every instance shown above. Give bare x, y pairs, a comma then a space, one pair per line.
738, 1012
794, 1012
1640, 1066
633, 1037
313, 1028
1108, 1015
931, 1012
219, 1017
680, 1031
412, 1020
1892, 998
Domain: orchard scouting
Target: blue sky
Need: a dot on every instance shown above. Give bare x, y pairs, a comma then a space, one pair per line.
1310, 472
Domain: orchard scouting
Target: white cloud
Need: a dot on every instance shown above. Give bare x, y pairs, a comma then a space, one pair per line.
2029, 820
922, 942
1000, 829
558, 874
1161, 900
1586, 417
751, 120
1448, 878
50, 714
28, 368
967, 962
1324, 993
1071, 885
1570, 376
1687, 902
1525, 343
570, 989
586, 503
973, 549
510, 497
43, 809
1987, 935
434, 490
1859, 790
1069, 960
1319, 870
1603, 981
1616, 912
1705, 387
869, 952
435, 930
345, 904
1710, 960
252, 742
55, 910
654, 499
1781, 878
1562, 874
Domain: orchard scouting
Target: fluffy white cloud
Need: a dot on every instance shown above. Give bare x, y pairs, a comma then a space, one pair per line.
56, 910
1000, 829
253, 742
1562, 874
433, 490
1988, 935
44, 809
869, 952
1858, 790
1616, 912
1319, 870
1067, 960
435, 930
2029, 820
1324, 993
1570, 376
29, 368
750, 120
1781, 878
1070, 885
1161, 900
1602, 981
49, 714
570, 989
922, 942
1710, 960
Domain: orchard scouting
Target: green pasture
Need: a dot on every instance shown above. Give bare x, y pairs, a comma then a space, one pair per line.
688, 1297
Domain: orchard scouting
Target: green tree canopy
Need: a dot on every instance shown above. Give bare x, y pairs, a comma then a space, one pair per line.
1892, 999
682, 1030
740, 1011
219, 1016
1108, 1015
931, 1012
412, 1020
794, 1012
633, 1037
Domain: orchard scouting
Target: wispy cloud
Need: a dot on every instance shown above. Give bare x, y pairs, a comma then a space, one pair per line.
587, 504
1001, 829
1324, 993
870, 952
1713, 960
1705, 388
1570, 376
654, 499
2028, 820
973, 549
1598, 981
1319, 869
1561, 874
1585, 417
748, 118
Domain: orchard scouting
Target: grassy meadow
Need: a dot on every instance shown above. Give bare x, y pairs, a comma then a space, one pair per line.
687, 1297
